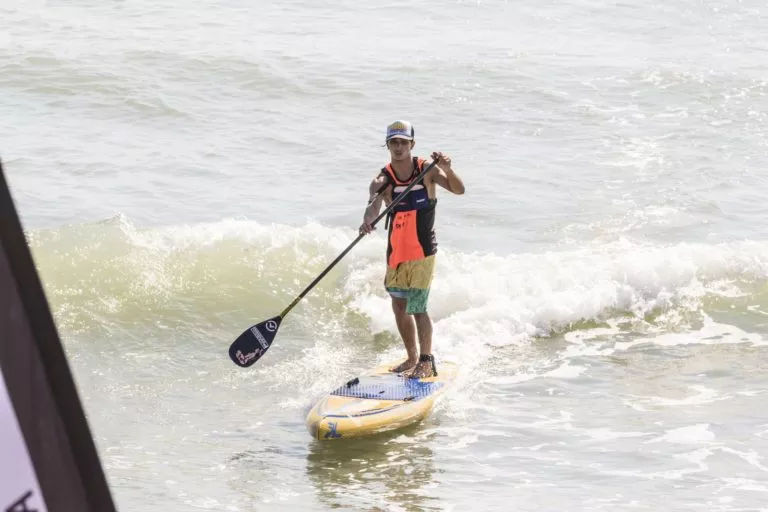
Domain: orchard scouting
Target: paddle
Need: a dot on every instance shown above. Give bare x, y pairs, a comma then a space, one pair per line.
254, 342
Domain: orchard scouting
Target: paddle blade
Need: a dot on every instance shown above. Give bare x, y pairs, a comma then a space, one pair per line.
253, 343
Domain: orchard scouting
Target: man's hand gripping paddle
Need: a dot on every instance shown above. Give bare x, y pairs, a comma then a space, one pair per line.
255, 341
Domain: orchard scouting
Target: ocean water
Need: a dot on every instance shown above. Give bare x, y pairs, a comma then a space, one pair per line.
184, 169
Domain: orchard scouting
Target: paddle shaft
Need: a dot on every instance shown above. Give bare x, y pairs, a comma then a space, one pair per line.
394, 202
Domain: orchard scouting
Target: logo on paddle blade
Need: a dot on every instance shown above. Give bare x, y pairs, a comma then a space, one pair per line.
244, 358
260, 337
271, 325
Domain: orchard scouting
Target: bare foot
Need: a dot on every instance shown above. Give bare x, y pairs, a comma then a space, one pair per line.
422, 370
404, 366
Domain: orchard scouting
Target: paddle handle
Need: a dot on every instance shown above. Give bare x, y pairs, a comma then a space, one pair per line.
394, 202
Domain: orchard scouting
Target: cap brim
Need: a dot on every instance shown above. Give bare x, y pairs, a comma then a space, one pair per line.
404, 137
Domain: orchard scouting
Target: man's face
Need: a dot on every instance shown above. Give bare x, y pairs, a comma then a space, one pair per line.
400, 149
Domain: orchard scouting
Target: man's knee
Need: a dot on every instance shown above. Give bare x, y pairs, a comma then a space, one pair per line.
399, 305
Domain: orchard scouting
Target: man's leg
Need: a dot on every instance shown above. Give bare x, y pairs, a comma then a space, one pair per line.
422, 272
417, 306
424, 328
407, 330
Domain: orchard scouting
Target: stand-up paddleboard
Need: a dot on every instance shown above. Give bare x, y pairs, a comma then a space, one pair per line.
377, 401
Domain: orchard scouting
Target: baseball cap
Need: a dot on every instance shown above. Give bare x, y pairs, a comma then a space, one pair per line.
400, 130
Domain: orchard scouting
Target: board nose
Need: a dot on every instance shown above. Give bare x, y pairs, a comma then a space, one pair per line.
313, 428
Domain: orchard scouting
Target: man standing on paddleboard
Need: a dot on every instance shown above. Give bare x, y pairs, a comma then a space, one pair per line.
411, 240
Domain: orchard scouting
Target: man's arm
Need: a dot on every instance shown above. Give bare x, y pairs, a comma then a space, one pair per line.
445, 176
377, 197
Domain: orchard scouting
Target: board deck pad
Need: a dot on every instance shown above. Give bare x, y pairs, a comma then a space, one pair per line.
387, 387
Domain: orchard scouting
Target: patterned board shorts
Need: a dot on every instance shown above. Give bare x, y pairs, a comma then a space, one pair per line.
411, 280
